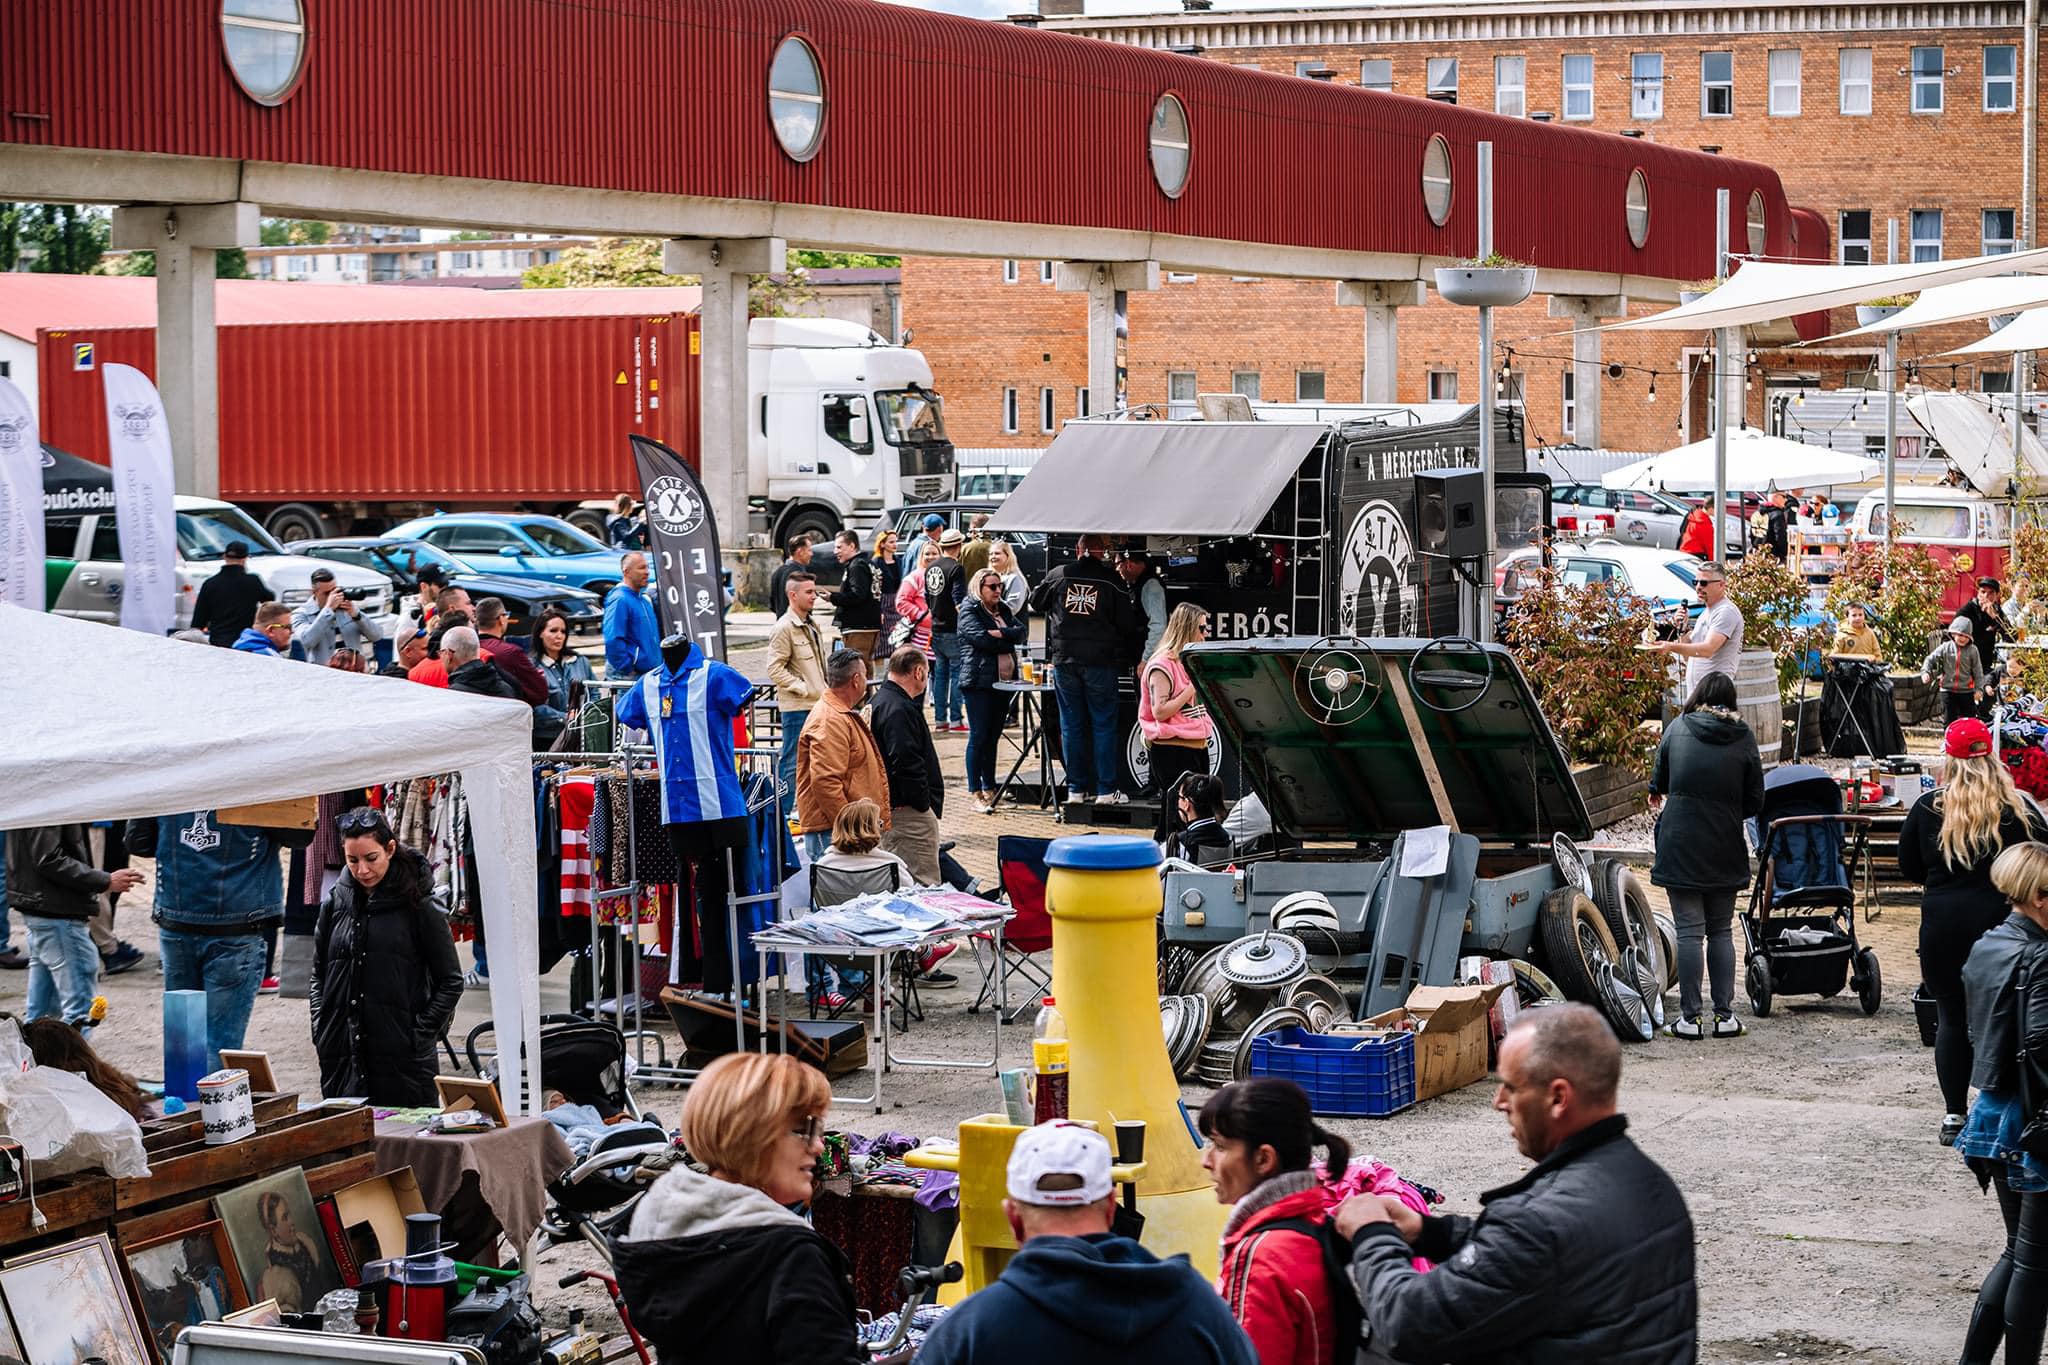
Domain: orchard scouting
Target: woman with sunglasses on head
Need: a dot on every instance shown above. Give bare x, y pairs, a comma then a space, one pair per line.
717, 1267
1176, 725
567, 673
385, 977
989, 636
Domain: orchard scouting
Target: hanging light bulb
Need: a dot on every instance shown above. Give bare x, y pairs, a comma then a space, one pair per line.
1652, 395
1799, 398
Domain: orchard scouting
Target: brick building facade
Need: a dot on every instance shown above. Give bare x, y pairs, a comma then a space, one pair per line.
1901, 124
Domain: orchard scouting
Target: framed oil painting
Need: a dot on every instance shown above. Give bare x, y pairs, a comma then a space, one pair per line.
183, 1280
278, 1242
79, 1306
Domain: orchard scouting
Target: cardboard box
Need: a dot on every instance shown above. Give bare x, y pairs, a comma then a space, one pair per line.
381, 1203
1451, 1035
300, 813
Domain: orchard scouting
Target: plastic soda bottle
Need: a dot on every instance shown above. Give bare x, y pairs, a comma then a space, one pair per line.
1049, 1062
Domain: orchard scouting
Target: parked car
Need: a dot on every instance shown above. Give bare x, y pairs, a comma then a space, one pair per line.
85, 573
400, 561
1034, 553
515, 545
1634, 516
990, 481
1665, 577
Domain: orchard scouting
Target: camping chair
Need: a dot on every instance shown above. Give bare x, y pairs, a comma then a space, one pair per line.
832, 886
1021, 871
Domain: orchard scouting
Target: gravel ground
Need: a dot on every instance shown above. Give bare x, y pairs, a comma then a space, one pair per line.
1831, 1225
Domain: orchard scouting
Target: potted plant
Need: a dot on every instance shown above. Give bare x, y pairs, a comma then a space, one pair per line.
1877, 310
1699, 289
1489, 281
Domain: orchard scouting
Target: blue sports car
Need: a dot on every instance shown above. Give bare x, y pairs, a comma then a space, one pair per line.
518, 545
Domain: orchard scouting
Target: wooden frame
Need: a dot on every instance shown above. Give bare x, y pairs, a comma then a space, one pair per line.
471, 1092
232, 1294
262, 1080
264, 1314
116, 1322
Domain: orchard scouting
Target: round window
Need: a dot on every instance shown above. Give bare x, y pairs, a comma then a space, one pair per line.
265, 41
1168, 137
1638, 207
1758, 239
796, 99
1436, 180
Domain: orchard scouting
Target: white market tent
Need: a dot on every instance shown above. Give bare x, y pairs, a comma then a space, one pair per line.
104, 723
1765, 291
1978, 440
2027, 332
1757, 461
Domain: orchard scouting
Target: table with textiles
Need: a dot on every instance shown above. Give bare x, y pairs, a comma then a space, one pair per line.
884, 1217
510, 1168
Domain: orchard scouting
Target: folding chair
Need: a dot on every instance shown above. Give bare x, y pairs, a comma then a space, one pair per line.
1021, 871
832, 886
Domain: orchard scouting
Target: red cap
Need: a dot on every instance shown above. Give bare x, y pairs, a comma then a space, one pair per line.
1967, 738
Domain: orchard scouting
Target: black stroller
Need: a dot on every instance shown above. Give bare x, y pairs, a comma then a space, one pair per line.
1800, 929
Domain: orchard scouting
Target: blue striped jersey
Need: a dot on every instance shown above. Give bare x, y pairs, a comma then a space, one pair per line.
691, 713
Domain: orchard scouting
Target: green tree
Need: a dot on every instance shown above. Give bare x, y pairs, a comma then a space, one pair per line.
232, 264
841, 260
635, 263
65, 239
295, 231
475, 235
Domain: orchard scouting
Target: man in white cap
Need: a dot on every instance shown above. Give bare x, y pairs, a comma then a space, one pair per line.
1075, 1293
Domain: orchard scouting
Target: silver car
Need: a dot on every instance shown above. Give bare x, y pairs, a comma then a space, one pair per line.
1635, 516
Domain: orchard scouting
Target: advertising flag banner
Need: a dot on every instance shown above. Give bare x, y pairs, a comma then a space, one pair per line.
140, 450
21, 501
682, 547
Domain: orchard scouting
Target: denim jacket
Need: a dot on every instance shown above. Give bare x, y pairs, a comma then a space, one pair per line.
212, 877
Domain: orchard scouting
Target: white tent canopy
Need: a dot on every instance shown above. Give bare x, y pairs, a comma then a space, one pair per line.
1765, 291
2027, 332
1978, 440
1966, 302
103, 723
1757, 461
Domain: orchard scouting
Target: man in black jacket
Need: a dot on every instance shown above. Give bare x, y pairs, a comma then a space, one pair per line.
55, 884
856, 606
1090, 621
1589, 1256
227, 602
917, 790
468, 671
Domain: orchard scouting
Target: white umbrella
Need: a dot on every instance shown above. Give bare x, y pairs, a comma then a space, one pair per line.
1756, 461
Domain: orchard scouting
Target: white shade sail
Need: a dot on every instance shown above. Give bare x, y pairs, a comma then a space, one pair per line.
1757, 461
1767, 291
2027, 332
103, 723
1977, 439
1964, 302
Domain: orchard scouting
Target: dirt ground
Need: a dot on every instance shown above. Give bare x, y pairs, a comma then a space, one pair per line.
1830, 1224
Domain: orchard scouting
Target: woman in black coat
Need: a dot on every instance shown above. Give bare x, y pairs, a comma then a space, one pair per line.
989, 633
1710, 778
385, 977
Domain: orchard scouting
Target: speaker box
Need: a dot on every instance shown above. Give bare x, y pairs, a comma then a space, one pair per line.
1448, 521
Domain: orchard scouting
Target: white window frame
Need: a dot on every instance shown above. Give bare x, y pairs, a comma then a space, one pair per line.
1645, 92
1784, 95
1437, 88
1854, 101
1322, 380
1580, 90
1245, 383
2000, 246
2008, 83
1179, 277
1568, 408
1511, 86
1365, 80
1914, 219
1845, 241
1707, 87
1937, 80
1080, 400
1009, 412
1009, 272
1045, 414
1442, 386
1045, 272
1181, 408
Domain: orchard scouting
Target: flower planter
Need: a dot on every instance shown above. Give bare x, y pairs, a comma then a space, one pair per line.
1486, 288
1868, 313
1611, 794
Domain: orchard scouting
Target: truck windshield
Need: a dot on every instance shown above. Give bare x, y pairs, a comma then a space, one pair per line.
204, 533
911, 416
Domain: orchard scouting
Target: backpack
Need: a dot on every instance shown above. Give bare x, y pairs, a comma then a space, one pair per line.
1345, 1310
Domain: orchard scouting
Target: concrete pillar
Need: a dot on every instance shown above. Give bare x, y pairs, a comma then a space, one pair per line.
1381, 300
184, 238
1585, 312
725, 269
1102, 281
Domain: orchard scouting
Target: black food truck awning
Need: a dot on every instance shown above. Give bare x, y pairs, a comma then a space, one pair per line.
1158, 478
1357, 740
72, 485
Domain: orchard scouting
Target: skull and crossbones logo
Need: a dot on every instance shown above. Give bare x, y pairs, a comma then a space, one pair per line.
703, 605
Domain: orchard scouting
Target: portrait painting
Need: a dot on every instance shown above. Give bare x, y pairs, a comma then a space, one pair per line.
278, 1242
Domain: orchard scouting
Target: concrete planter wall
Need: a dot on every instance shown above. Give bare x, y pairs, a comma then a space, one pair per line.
1915, 699
1610, 793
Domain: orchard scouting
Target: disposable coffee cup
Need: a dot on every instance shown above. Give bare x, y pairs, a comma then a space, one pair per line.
1130, 1140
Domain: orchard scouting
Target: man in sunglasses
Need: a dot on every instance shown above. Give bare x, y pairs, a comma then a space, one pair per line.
1716, 642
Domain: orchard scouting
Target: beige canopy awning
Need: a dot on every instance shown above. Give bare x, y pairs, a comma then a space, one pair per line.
2027, 332
1766, 291
1968, 301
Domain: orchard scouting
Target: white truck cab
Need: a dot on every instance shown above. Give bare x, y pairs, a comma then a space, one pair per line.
843, 424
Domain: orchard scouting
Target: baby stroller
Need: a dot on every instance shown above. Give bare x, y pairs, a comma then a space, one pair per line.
1800, 929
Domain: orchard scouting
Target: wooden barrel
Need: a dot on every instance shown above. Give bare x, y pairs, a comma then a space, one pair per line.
1756, 697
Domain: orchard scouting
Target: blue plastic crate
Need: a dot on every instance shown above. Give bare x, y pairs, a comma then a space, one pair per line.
1345, 1075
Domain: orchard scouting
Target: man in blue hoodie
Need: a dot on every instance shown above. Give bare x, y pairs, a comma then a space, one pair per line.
1076, 1294
272, 633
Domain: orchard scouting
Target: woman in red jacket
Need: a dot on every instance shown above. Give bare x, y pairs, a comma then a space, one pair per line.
1696, 533
1260, 1133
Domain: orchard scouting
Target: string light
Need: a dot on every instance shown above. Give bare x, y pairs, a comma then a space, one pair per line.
1652, 395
